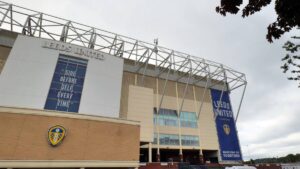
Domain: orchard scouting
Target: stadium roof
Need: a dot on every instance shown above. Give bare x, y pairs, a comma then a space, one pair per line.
186, 68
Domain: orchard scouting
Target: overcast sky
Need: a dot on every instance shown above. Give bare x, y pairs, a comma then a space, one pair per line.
268, 124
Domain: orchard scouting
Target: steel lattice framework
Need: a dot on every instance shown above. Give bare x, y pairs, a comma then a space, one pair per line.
168, 64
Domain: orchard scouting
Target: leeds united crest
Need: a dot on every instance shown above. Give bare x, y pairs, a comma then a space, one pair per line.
56, 135
226, 129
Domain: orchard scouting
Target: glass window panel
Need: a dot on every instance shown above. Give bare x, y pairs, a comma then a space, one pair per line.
167, 139
188, 140
188, 119
166, 117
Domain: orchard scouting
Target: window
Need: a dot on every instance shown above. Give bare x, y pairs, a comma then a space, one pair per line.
188, 119
167, 139
188, 140
165, 117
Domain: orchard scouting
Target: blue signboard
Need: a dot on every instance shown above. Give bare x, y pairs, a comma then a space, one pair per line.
67, 84
226, 129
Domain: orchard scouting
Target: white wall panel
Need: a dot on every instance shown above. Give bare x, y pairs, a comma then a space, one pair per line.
102, 87
28, 72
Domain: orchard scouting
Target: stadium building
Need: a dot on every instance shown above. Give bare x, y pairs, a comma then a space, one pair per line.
74, 96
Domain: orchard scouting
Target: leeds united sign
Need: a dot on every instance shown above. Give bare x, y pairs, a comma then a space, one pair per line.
68, 48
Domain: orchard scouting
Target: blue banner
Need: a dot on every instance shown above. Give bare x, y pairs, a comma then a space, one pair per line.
67, 84
226, 129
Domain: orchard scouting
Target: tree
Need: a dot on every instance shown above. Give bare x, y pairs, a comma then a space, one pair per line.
291, 158
292, 59
288, 17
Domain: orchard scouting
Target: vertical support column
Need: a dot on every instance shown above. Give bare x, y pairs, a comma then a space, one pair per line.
11, 17
92, 40
203, 95
158, 156
158, 110
64, 33
180, 154
201, 101
241, 101
41, 23
156, 125
201, 159
150, 153
198, 123
135, 79
195, 99
179, 129
181, 106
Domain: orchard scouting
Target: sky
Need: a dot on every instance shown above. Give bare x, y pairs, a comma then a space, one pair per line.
268, 125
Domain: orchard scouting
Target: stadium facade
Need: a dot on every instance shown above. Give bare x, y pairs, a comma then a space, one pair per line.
76, 96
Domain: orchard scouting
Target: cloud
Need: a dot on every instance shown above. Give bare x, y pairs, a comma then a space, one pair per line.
274, 147
267, 123
273, 129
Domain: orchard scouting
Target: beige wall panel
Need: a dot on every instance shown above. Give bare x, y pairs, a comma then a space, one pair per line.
207, 129
190, 147
140, 108
170, 87
189, 92
177, 147
167, 147
208, 132
199, 93
188, 105
171, 103
128, 79
149, 82
4, 52
189, 131
24, 137
168, 102
168, 130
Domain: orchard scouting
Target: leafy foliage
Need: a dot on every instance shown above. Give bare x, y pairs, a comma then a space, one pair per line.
290, 158
288, 14
288, 17
292, 60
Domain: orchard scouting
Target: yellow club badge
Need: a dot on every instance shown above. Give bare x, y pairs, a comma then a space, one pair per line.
56, 135
226, 129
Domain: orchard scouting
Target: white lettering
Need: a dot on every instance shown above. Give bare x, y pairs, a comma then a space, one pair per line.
67, 87
222, 108
235, 154
223, 113
64, 95
63, 103
66, 79
70, 73
79, 51
222, 104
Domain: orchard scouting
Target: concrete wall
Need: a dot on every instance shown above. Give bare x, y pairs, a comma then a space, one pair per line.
26, 77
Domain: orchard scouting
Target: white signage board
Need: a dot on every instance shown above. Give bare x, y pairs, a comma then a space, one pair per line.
31, 71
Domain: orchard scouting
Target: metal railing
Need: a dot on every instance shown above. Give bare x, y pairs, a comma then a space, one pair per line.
187, 68
33, 23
